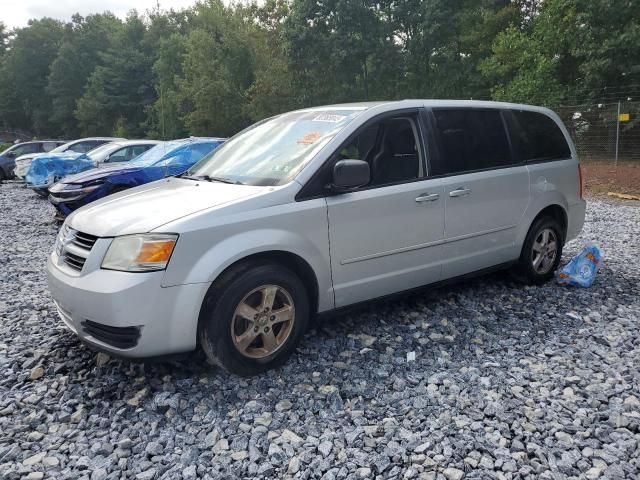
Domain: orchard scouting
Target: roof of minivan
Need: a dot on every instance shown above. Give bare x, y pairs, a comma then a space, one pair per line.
423, 102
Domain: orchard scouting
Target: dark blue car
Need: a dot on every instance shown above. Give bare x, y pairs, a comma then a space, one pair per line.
164, 160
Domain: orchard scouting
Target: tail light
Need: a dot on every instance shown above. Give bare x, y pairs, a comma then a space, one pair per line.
581, 180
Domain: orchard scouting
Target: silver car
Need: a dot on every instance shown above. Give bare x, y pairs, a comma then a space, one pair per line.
312, 211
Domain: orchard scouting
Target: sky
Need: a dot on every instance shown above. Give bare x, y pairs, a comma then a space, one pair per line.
16, 13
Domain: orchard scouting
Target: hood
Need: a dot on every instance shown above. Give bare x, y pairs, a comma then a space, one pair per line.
68, 155
99, 173
26, 156
150, 206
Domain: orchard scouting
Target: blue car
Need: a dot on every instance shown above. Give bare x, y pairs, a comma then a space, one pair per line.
164, 160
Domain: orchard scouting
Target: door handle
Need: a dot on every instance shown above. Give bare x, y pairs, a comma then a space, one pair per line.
427, 197
460, 192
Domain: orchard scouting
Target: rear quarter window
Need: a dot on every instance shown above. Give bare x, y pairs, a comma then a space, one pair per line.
535, 136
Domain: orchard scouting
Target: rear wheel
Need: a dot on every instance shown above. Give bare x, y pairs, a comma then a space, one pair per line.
253, 318
541, 251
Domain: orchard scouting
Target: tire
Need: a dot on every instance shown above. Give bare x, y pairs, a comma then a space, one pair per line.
248, 346
541, 252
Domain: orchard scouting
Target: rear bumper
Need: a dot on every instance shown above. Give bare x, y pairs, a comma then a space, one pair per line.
127, 314
575, 219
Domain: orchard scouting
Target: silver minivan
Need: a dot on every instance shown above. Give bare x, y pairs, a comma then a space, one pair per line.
312, 211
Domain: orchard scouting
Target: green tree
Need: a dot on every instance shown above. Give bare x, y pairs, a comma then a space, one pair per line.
446, 40
3, 39
23, 75
342, 50
572, 51
120, 87
218, 70
165, 114
272, 91
85, 40
522, 71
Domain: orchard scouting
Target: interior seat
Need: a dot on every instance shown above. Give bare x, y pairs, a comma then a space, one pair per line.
398, 160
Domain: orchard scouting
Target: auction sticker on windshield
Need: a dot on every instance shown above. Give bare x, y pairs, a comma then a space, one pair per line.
329, 117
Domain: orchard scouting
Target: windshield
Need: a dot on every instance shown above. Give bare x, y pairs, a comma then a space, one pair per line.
99, 153
154, 154
272, 152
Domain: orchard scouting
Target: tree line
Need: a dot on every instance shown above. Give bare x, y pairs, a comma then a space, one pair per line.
213, 69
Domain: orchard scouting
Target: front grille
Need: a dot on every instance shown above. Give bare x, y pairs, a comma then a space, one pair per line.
119, 337
74, 247
84, 240
74, 261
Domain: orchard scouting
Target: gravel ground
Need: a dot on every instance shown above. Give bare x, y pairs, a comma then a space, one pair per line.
507, 382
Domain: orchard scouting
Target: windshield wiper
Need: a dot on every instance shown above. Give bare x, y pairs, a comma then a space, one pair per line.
208, 178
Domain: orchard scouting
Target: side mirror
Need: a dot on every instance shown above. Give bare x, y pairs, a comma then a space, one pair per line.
350, 174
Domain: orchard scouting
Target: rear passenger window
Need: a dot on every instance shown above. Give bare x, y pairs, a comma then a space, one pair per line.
537, 137
469, 139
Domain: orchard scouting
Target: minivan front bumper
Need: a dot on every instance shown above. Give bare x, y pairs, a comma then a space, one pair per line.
127, 314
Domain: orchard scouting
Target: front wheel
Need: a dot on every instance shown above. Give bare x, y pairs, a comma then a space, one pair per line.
253, 318
541, 251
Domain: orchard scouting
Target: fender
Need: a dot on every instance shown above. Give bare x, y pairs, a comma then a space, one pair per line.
539, 202
201, 257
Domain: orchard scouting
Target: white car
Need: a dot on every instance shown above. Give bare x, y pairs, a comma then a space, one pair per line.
82, 145
312, 211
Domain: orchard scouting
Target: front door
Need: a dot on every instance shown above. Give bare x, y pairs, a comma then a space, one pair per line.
386, 237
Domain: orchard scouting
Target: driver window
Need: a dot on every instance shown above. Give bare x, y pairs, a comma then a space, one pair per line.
360, 147
390, 147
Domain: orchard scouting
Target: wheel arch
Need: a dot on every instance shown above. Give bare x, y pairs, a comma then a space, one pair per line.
552, 203
287, 259
558, 213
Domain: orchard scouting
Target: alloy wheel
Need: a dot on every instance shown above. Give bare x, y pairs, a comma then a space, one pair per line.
262, 322
544, 251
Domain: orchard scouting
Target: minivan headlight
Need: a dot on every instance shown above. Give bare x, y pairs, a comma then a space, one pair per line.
140, 253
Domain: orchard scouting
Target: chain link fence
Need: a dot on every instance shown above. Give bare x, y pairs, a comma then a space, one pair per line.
607, 137
604, 132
